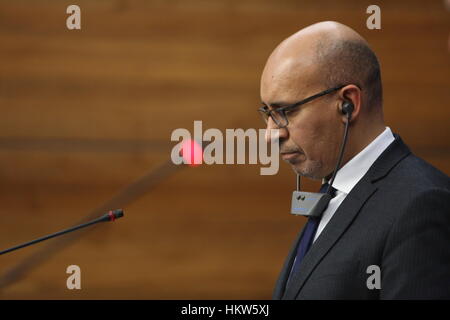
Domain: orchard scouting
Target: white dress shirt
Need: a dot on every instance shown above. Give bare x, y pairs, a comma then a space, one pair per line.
349, 175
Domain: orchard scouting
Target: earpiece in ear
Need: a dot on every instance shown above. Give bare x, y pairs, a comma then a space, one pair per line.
347, 108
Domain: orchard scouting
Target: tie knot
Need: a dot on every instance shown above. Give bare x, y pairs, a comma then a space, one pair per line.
324, 189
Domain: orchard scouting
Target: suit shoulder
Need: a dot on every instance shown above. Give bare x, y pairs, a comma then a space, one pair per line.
412, 180
415, 174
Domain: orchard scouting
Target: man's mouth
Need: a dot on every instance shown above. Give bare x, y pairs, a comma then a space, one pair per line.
289, 155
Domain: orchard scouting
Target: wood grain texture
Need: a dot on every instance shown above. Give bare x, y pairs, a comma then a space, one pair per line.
85, 113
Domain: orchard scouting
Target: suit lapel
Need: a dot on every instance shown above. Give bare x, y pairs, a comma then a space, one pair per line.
341, 220
280, 286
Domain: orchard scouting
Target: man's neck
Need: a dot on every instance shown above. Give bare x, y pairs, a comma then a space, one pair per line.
358, 142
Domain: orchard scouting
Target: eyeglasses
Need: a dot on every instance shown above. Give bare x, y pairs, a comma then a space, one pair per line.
279, 115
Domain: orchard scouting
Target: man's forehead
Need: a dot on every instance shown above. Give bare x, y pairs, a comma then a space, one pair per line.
285, 80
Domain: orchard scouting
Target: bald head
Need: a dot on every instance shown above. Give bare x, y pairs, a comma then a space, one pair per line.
327, 54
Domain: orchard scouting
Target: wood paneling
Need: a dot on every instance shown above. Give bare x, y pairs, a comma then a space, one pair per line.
85, 113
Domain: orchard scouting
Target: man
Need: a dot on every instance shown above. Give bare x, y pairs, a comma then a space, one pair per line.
390, 212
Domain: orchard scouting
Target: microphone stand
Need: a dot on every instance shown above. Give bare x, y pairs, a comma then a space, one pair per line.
121, 199
127, 195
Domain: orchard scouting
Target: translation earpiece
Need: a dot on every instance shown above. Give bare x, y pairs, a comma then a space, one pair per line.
347, 108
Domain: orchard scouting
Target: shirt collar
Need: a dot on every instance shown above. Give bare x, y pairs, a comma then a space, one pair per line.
349, 175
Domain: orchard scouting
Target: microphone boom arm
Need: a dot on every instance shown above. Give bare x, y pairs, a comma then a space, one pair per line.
110, 216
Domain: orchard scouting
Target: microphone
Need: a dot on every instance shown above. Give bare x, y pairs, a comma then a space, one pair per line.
110, 216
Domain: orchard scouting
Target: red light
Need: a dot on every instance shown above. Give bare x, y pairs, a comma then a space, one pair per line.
192, 153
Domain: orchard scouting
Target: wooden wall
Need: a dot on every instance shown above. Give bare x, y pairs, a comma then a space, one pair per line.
85, 113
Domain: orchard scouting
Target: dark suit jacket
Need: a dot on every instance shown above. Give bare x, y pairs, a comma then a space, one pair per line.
397, 217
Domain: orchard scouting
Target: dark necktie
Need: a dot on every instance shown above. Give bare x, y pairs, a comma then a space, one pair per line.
308, 234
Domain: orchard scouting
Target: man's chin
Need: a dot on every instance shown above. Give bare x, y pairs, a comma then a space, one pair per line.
311, 170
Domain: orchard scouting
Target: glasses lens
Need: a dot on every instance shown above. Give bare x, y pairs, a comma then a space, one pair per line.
279, 118
264, 115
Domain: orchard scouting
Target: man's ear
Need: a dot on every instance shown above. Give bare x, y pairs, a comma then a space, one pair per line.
350, 94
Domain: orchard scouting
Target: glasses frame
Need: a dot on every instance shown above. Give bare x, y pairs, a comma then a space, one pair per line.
265, 111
